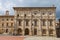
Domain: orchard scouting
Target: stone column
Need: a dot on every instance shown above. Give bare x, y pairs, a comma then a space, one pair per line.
23, 32
39, 28
30, 32
54, 27
23, 24
30, 24
47, 26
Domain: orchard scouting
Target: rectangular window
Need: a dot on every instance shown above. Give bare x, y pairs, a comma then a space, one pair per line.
43, 23
27, 22
11, 24
7, 19
7, 24
35, 22
19, 22
17, 15
51, 23
11, 19
43, 13
2, 24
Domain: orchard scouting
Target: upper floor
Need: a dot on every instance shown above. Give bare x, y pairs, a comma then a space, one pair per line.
35, 12
6, 20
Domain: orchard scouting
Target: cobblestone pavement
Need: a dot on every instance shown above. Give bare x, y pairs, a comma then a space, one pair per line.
5, 37
41, 38
11, 38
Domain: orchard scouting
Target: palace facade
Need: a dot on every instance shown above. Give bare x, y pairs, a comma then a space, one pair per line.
35, 21
30, 21
6, 23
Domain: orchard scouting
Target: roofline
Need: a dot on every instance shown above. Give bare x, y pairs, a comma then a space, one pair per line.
33, 7
6, 15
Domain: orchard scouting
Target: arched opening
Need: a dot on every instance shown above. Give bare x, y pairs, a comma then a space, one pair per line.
44, 32
50, 32
6, 30
35, 31
26, 31
19, 31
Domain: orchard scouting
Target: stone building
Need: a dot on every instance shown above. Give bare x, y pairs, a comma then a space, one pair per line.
35, 21
6, 23
58, 28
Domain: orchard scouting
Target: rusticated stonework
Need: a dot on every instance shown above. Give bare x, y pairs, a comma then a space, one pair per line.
35, 21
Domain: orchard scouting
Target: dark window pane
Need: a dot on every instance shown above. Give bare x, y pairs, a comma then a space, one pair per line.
7, 19
43, 22
2, 24
19, 23
51, 23
35, 22
27, 22
43, 13
24, 15
11, 24
7, 24
6, 30
11, 19
35, 31
17, 15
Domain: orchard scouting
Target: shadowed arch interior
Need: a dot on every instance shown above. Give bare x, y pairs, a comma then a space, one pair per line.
35, 31
26, 31
19, 31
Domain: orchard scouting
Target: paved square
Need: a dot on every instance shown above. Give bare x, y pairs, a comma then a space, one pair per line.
11, 38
